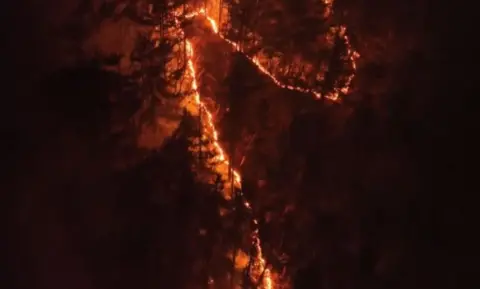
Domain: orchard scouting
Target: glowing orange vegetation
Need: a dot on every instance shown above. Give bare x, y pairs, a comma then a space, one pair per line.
209, 123
222, 166
259, 263
334, 95
222, 163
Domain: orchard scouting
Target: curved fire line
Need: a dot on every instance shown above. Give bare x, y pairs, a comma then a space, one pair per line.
259, 273
259, 263
352, 55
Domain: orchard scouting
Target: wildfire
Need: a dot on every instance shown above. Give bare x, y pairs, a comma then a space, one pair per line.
209, 123
352, 56
259, 261
259, 271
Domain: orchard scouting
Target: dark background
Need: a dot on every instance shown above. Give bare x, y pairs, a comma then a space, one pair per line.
41, 157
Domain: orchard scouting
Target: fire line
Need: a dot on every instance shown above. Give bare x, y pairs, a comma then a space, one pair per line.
259, 268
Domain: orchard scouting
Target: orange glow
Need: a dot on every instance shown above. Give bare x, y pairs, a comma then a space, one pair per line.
259, 263
334, 95
209, 123
222, 165
195, 106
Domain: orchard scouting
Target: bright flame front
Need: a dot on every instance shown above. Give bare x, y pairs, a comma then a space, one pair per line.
259, 272
334, 95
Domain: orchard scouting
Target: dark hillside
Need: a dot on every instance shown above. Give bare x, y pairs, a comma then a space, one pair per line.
376, 192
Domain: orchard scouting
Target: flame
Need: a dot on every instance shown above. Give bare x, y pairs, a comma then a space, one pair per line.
259, 272
259, 264
209, 131
258, 261
352, 56
209, 123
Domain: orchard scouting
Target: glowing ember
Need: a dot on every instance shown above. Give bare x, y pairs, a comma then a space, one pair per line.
352, 55
210, 126
259, 263
259, 271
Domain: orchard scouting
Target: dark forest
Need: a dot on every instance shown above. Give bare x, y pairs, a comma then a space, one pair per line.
238, 144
